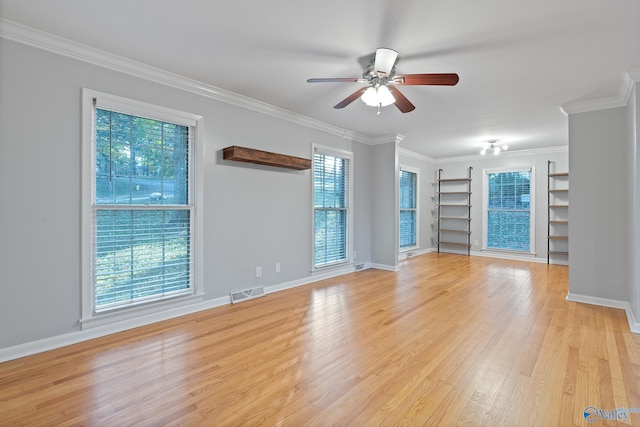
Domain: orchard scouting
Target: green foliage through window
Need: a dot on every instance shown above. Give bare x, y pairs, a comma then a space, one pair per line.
141, 253
330, 213
408, 208
509, 210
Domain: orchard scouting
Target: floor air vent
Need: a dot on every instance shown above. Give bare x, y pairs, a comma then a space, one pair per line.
246, 294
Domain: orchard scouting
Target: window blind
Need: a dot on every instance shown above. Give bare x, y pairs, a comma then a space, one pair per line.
408, 208
141, 209
331, 209
509, 210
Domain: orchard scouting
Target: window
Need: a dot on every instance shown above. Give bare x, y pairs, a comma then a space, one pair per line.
331, 207
141, 204
408, 207
508, 213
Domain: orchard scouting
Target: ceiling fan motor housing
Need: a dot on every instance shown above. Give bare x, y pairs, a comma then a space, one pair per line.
369, 72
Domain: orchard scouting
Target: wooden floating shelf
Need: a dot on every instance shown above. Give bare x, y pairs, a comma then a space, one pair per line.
259, 157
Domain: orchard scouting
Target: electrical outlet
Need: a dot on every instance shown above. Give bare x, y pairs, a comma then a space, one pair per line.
258, 271
277, 267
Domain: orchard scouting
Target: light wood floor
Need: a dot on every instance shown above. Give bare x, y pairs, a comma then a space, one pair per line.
449, 340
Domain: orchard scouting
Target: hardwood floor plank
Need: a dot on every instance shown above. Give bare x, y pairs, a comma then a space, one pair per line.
447, 340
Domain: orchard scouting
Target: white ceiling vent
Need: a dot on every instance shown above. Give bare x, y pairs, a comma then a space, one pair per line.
247, 294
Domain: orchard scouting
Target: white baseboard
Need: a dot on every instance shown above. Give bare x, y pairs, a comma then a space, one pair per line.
507, 255
502, 255
385, 267
317, 276
69, 338
634, 326
51, 343
413, 253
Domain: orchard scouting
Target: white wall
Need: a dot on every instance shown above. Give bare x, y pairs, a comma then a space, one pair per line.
253, 215
456, 168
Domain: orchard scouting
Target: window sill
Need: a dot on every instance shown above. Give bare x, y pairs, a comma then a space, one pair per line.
330, 268
508, 251
139, 312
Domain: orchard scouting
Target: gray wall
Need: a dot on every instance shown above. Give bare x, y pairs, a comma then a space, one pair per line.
633, 119
425, 198
598, 213
362, 188
384, 198
253, 215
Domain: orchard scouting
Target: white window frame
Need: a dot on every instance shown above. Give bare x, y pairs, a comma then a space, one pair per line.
320, 149
90, 100
417, 172
532, 208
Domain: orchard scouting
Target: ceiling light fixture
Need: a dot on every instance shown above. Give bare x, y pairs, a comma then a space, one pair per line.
493, 148
378, 96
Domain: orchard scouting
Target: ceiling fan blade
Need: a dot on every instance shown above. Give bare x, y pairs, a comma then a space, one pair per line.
385, 59
349, 99
338, 80
444, 79
402, 102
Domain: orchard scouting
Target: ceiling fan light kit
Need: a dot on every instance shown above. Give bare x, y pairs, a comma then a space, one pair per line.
381, 77
377, 96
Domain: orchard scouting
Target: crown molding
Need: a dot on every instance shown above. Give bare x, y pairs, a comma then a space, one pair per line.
29, 36
474, 157
634, 75
418, 156
385, 139
629, 79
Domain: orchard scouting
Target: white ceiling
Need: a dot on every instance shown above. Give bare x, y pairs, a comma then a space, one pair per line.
518, 60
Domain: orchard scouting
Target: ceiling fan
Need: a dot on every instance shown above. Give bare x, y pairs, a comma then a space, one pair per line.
381, 80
